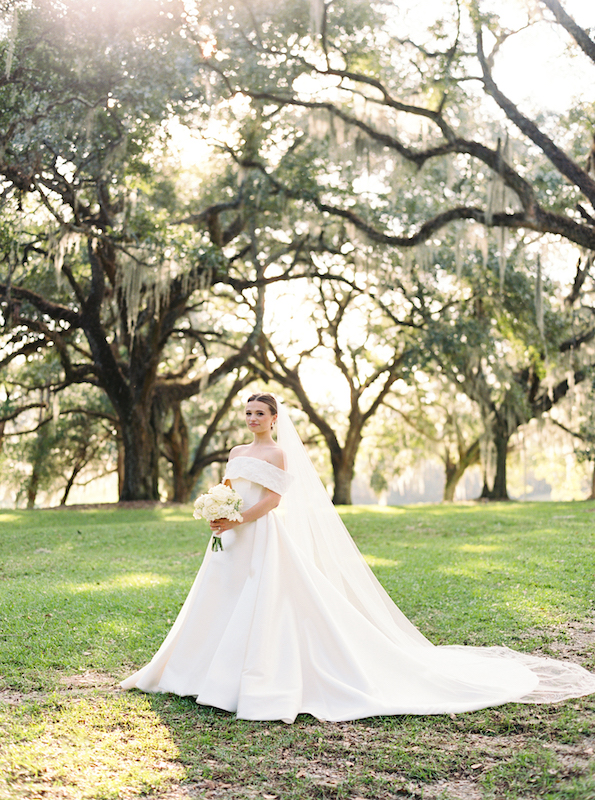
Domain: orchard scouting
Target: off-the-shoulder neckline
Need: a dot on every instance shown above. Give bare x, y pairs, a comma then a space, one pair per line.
262, 461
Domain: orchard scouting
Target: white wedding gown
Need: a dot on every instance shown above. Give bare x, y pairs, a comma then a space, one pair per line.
275, 626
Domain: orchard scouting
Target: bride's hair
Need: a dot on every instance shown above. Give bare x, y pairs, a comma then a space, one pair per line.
264, 397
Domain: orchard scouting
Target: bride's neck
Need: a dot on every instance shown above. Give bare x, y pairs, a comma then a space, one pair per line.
263, 439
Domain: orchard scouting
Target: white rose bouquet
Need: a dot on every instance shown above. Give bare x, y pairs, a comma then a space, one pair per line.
220, 502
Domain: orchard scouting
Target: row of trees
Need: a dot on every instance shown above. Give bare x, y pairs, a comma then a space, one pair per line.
418, 220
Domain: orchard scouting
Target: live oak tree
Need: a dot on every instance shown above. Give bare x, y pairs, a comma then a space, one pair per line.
366, 350
364, 82
579, 421
52, 441
417, 135
333, 115
200, 432
146, 279
143, 289
512, 366
431, 417
73, 447
277, 239
91, 268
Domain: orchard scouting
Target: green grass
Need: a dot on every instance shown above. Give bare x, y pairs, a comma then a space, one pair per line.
86, 596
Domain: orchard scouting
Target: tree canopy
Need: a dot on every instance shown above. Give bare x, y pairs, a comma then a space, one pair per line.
369, 159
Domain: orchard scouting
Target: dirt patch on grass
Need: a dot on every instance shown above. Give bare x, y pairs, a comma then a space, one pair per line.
467, 757
580, 643
14, 698
88, 682
91, 679
573, 641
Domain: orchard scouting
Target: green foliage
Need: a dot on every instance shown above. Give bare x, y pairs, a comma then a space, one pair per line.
336, 133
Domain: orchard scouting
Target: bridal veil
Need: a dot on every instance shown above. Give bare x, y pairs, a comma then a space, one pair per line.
326, 546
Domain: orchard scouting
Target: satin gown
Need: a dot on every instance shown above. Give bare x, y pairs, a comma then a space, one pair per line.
266, 635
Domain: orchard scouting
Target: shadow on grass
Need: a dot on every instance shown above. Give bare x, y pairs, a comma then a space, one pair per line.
385, 757
97, 590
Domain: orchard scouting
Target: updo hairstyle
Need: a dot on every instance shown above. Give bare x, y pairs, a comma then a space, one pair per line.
264, 397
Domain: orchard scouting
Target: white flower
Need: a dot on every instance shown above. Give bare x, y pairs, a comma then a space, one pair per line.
220, 502
222, 492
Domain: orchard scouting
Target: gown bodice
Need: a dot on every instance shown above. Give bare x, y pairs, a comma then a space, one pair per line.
258, 472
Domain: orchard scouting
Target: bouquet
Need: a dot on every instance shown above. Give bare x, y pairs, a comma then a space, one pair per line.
220, 502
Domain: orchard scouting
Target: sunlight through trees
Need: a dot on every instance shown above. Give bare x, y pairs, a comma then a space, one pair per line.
202, 197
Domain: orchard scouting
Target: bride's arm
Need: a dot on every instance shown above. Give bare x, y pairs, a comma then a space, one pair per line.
270, 501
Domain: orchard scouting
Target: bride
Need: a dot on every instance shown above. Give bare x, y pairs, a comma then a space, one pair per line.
289, 619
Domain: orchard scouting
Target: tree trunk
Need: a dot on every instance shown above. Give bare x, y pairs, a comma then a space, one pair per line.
453, 476
499, 490
39, 453
75, 471
69, 485
455, 471
592, 495
181, 488
120, 465
177, 443
33, 486
33, 482
343, 477
140, 438
343, 459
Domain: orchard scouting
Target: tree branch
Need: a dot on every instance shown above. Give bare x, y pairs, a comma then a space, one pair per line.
54, 310
579, 34
20, 410
565, 165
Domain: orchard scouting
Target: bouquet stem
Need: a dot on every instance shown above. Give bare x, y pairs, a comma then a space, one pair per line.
216, 543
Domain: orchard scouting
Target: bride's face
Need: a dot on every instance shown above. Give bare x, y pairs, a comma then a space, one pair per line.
259, 416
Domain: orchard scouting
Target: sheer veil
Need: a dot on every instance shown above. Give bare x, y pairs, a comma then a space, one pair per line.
316, 528
323, 543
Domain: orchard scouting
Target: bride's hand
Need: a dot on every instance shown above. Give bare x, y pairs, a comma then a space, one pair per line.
218, 526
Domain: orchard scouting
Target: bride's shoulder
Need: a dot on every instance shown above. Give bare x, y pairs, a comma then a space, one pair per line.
271, 455
277, 458
238, 450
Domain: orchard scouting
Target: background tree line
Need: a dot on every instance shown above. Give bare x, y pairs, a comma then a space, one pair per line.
198, 198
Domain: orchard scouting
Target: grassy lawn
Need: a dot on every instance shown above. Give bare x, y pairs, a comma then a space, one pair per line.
88, 595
